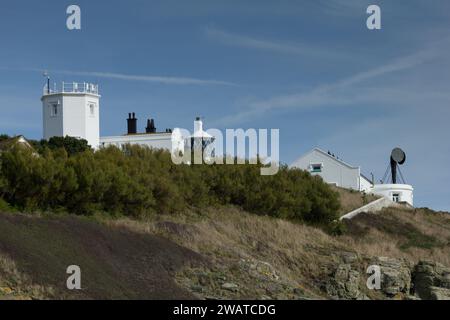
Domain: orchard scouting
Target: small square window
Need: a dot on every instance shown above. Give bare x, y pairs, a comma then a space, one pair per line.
316, 167
54, 110
396, 197
92, 109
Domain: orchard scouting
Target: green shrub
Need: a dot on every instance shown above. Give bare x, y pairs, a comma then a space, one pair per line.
70, 144
140, 181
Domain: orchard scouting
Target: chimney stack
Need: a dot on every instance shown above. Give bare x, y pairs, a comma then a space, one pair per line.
132, 123
198, 125
150, 126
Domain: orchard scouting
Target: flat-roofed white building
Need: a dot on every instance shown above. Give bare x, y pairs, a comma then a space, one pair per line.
150, 138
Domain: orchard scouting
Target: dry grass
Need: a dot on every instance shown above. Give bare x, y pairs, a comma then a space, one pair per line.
414, 234
302, 254
351, 200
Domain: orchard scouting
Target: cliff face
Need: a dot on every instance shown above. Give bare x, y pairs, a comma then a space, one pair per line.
226, 253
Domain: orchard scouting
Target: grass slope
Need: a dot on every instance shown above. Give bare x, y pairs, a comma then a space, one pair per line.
274, 258
221, 253
115, 263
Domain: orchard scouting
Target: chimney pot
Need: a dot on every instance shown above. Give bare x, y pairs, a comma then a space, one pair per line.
150, 126
132, 124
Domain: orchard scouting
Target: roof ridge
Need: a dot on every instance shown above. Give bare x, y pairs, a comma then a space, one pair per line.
336, 159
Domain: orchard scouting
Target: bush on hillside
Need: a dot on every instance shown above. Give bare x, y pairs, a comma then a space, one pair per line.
143, 181
4, 137
70, 144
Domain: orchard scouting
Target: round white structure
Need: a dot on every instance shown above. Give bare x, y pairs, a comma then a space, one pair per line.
402, 193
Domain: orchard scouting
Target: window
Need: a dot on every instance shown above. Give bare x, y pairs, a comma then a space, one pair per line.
54, 110
316, 167
92, 109
396, 197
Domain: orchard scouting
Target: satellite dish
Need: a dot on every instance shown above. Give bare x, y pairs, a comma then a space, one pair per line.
398, 155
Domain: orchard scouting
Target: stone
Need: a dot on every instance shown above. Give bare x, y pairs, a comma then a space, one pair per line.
349, 257
259, 269
197, 288
230, 286
344, 283
431, 281
395, 275
437, 293
410, 297
445, 281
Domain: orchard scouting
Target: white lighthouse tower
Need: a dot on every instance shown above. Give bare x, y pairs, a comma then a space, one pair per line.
72, 110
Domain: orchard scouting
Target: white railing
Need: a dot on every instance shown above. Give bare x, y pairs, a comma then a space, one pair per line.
72, 87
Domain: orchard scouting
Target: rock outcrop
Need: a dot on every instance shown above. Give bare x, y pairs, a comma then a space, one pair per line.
344, 283
400, 279
395, 275
431, 281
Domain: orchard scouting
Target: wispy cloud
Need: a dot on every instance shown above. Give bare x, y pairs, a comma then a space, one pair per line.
232, 39
141, 78
333, 94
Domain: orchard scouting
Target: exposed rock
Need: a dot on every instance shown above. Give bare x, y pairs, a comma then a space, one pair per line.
348, 257
259, 269
197, 288
432, 281
344, 284
437, 293
409, 297
395, 275
230, 286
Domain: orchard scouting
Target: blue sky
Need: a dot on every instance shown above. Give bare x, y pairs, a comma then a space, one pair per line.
310, 68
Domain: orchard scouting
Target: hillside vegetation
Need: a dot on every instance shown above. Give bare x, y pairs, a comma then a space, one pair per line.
142, 227
221, 253
139, 182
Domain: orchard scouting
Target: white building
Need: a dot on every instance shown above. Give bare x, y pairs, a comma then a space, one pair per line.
333, 170
73, 110
337, 172
402, 193
150, 138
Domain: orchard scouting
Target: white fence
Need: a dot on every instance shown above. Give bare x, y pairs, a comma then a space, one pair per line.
72, 87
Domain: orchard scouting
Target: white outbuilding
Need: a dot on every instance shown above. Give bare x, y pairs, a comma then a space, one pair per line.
401, 193
341, 174
333, 170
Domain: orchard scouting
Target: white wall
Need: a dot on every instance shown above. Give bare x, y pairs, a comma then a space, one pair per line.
152, 140
333, 171
53, 126
73, 118
365, 185
404, 191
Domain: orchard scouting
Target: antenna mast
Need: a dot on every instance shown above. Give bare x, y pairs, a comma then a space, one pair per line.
48, 81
